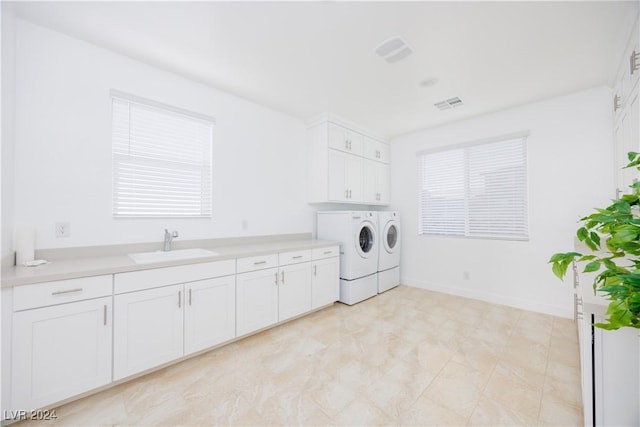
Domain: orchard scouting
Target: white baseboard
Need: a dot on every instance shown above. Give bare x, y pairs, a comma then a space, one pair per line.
492, 298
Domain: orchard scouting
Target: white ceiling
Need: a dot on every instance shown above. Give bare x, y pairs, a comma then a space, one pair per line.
305, 58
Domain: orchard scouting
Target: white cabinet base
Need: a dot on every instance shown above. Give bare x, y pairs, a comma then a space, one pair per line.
148, 329
60, 351
388, 279
354, 291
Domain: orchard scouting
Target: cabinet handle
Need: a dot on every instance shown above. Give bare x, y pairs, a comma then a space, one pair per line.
276, 278
315, 269
297, 256
346, 194
616, 103
283, 277
179, 299
575, 307
349, 193
189, 296
259, 262
105, 315
346, 144
66, 292
327, 252
634, 62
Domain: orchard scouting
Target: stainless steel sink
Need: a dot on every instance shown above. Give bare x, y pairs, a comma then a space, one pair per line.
160, 256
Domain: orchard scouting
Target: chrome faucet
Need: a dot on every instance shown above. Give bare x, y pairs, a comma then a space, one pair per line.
168, 237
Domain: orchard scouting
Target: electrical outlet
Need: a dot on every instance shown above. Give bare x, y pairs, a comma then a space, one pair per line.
63, 229
466, 275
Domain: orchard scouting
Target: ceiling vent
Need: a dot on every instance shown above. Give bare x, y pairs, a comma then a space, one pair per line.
393, 49
449, 103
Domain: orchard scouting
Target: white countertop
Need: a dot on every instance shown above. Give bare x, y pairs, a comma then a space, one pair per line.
79, 266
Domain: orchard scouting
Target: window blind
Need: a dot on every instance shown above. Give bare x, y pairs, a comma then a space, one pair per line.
477, 190
161, 161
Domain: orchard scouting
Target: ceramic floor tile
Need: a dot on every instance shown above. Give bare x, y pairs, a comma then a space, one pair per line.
407, 357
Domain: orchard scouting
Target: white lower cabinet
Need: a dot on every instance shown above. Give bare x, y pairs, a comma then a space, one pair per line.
60, 351
72, 336
325, 282
210, 313
148, 329
257, 300
294, 290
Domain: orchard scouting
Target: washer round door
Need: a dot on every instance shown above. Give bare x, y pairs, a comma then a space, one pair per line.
391, 237
366, 239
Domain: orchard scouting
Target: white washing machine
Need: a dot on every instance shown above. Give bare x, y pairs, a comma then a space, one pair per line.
358, 234
388, 250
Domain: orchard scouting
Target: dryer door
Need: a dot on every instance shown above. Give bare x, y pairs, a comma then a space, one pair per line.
366, 240
390, 237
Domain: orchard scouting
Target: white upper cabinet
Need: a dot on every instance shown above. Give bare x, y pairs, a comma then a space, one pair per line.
376, 150
345, 177
344, 166
343, 139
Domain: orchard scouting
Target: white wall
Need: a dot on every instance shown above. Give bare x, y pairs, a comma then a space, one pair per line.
8, 125
63, 148
570, 155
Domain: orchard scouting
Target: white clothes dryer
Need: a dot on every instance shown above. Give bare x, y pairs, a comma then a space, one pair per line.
388, 250
357, 232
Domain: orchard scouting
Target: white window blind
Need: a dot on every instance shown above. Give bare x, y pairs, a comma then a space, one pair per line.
161, 161
476, 190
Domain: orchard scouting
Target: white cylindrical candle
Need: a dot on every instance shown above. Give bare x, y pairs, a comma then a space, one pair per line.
25, 244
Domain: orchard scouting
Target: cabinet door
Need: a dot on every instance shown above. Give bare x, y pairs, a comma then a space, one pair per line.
325, 282
626, 140
382, 183
337, 180
376, 150
294, 291
616, 373
210, 313
60, 351
369, 183
353, 176
376, 182
148, 329
343, 139
257, 300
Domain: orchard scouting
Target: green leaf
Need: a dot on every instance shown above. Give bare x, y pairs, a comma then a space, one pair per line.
595, 237
582, 234
592, 266
631, 155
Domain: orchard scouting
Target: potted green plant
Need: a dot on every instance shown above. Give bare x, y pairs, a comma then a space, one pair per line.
613, 236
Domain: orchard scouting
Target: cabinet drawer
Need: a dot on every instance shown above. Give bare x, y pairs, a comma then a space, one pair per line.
146, 279
294, 257
61, 291
328, 252
253, 263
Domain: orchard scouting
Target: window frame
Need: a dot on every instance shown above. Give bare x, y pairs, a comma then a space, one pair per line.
523, 136
206, 199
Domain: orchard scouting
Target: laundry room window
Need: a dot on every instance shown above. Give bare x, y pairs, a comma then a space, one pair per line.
162, 160
477, 189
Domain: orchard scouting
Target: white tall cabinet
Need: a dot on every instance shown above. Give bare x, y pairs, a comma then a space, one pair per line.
627, 113
346, 165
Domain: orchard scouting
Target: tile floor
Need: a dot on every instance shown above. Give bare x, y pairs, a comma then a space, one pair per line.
406, 357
